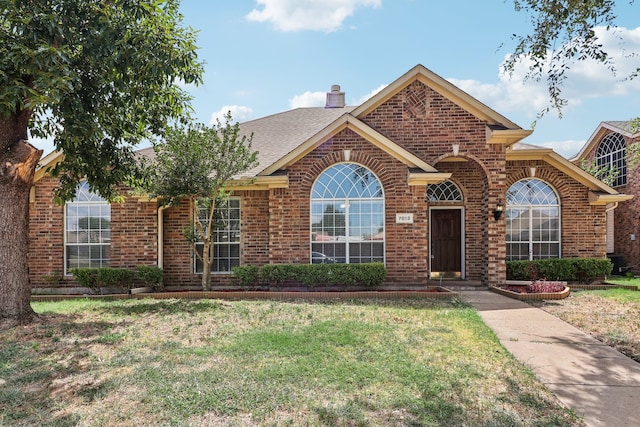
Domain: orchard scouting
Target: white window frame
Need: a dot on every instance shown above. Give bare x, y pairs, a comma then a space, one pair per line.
612, 153
197, 267
92, 200
530, 208
346, 204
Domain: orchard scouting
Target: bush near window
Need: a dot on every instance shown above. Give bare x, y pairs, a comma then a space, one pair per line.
151, 276
111, 277
312, 275
582, 270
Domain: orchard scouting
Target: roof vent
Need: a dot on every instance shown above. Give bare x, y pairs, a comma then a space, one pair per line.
335, 98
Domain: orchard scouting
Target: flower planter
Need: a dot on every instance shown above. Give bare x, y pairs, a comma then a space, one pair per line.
531, 296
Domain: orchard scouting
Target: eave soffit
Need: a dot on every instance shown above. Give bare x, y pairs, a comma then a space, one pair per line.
557, 161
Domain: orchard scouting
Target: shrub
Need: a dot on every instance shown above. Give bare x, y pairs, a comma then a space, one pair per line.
107, 277
312, 275
54, 279
151, 276
96, 278
248, 276
583, 270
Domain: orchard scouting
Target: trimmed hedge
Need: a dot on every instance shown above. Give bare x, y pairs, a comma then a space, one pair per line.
582, 270
311, 275
111, 277
151, 276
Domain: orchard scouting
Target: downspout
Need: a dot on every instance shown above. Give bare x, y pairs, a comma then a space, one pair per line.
613, 206
160, 236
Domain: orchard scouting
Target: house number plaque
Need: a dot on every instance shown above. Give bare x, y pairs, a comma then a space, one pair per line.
404, 218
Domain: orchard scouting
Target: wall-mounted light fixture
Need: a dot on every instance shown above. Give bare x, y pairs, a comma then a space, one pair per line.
497, 212
455, 148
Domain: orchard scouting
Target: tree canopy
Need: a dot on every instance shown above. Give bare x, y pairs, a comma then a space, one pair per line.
197, 163
563, 32
98, 76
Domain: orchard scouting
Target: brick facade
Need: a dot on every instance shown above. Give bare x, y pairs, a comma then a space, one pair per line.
275, 222
627, 214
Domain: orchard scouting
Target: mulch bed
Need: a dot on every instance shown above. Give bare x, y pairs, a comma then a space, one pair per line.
429, 292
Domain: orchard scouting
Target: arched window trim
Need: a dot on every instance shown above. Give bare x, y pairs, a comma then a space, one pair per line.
360, 235
534, 207
612, 153
445, 191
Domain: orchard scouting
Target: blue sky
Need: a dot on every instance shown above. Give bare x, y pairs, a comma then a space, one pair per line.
267, 56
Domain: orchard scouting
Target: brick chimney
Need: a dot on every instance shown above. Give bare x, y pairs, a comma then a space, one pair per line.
335, 98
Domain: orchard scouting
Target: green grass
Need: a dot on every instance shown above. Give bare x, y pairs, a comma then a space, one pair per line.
622, 280
351, 363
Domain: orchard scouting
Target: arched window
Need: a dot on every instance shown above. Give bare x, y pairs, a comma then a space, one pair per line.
347, 216
532, 221
445, 191
611, 155
87, 230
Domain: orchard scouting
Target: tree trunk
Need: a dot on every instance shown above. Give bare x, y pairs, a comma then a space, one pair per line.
206, 265
18, 161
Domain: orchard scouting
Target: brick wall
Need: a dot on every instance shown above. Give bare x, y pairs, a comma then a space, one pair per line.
46, 234
627, 214
275, 223
583, 226
133, 231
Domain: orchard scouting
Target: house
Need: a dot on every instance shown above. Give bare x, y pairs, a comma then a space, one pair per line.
421, 176
607, 147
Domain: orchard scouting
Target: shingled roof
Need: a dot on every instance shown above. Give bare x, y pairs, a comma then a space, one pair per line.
277, 135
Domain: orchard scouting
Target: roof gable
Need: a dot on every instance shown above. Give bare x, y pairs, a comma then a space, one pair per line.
347, 121
444, 88
622, 127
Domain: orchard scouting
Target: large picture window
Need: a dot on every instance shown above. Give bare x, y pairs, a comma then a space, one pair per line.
347, 216
226, 237
611, 154
87, 230
532, 221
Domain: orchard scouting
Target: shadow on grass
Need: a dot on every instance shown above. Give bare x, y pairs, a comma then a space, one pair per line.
150, 306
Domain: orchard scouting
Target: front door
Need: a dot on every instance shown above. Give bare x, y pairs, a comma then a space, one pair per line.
446, 243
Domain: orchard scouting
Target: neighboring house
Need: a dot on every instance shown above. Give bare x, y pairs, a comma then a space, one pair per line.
421, 176
607, 147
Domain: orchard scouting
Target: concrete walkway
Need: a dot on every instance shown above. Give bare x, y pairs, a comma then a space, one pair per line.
597, 382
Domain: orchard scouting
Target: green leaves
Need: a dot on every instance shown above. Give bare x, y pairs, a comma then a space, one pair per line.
196, 161
563, 32
100, 76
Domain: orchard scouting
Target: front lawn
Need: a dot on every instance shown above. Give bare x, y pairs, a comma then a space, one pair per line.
621, 280
611, 316
239, 363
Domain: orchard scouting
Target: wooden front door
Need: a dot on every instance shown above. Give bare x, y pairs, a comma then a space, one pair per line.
446, 243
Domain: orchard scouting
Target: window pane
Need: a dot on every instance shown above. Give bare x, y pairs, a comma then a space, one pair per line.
517, 251
532, 221
226, 236
88, 230
347, 206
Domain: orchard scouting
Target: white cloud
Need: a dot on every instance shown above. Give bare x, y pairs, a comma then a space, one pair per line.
319, 99
370, 94
308, 99
314, 15
239, 113
44, 144
567, 148
585, 79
